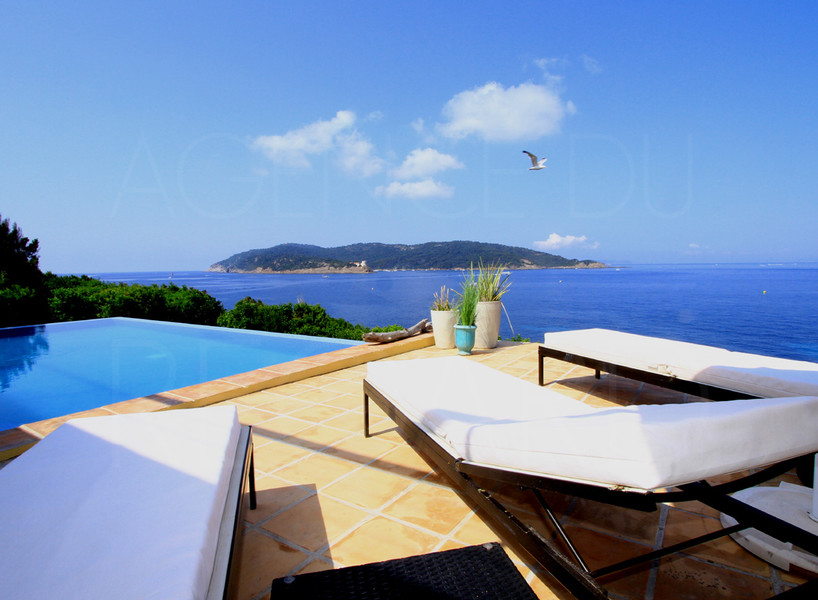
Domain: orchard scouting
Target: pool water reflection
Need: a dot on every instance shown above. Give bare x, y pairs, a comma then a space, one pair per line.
62, 368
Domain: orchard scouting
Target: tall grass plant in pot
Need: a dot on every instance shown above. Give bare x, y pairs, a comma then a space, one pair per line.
467, 312
444, 318
492, 283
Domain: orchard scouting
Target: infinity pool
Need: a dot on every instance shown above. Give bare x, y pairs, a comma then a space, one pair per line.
51, 370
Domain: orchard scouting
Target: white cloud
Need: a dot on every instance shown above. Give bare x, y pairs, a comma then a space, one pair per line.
494, 113
428, 188
425, 162
294, 148
591, 64
557, 242
356, 155
418, 125
694, 246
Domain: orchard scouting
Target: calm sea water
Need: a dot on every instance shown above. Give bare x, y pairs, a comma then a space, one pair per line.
766, 309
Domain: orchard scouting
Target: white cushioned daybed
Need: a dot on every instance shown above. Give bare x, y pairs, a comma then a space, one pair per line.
472, 420
126, 506
706, 371
482, 415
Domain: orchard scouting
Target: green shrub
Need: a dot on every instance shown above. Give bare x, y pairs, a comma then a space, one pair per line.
75, 298
21, 305
299, 318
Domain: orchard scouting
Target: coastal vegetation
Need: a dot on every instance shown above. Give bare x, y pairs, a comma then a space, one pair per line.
23, 297
73, 298
293, 263
298, 318
431, 255
28, 297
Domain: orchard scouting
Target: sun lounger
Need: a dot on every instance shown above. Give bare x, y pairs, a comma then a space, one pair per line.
475, 422
703, 371
127, 506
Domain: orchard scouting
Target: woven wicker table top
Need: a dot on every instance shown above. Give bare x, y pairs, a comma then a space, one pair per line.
481, 572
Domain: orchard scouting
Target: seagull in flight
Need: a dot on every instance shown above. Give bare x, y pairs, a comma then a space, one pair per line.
536, 164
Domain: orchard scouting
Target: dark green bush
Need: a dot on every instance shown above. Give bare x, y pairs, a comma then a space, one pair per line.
23, 297
74, 298
22, 305
299, 318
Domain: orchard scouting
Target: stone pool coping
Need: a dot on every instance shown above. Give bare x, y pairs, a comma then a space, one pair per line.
14, 442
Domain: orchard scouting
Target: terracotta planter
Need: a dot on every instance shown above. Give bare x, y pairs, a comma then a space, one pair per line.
443, 322
488, 324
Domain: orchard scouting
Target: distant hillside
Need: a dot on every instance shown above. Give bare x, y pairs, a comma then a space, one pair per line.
292, 258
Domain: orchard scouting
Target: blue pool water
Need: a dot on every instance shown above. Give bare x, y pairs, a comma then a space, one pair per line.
57, 369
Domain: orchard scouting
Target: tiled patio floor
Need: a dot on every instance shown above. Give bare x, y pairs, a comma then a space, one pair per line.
328, 497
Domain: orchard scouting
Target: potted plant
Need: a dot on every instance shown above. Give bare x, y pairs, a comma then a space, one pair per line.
444, 317
467, 312
492, 283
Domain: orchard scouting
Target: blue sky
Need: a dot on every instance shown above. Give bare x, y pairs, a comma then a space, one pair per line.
170, 135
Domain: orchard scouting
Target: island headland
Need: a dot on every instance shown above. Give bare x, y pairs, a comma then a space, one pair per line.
369, 257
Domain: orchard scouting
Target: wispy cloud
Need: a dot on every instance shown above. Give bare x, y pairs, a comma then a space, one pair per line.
547, 66
556, 241
355, 154
425, 162
428, 188
499, 114
591, 64
695, 249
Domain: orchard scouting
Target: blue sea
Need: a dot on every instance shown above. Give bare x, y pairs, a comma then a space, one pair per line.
767, 309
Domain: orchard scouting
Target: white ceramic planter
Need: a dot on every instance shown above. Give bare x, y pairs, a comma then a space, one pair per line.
443, 322
488, 324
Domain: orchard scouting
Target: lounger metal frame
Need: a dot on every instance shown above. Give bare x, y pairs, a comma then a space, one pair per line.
672, 382
573, 573
224, 578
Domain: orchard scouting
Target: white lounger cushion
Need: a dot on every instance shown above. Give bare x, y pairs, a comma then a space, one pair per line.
124, 506
488, 417
764, 376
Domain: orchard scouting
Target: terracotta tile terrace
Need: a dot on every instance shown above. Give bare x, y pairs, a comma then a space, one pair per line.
330, 498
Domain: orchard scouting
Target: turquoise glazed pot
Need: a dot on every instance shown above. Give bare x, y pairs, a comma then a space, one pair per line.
464, 338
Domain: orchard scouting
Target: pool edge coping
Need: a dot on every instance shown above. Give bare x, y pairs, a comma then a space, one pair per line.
14, 442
